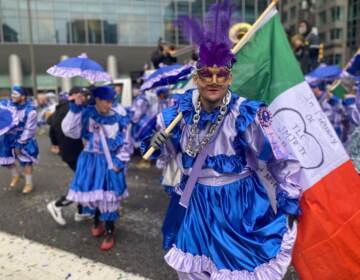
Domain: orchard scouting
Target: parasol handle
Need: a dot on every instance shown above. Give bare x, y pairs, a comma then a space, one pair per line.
167, 131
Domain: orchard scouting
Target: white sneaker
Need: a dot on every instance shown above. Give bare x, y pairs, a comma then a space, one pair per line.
82, 217
56, 213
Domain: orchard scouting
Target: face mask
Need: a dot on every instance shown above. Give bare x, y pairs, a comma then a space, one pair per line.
222, 74
302, 30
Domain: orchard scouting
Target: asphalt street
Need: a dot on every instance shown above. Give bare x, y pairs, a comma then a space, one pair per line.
138, 249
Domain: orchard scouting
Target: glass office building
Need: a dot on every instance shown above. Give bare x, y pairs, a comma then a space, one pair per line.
123, 22
103, 27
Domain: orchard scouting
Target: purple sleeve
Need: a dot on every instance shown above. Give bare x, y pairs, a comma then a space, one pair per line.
264, 144
30, 128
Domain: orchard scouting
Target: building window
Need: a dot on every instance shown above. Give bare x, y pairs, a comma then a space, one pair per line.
110, 32
322, 37
78, 31
94, 31
337, 59
293, 12
337, 13
336, 34
10, 28
322, 18
46, 30
333, 59
62, 30
249, 11
285, 17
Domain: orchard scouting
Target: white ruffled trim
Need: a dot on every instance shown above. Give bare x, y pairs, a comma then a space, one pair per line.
275, 269
106, 201
7, 160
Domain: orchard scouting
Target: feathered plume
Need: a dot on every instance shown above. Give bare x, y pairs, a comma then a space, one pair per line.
212, 38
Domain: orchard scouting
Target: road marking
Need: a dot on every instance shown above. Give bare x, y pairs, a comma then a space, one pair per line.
23, 259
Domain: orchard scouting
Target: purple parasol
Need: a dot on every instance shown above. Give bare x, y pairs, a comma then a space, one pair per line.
80, 66
166, 75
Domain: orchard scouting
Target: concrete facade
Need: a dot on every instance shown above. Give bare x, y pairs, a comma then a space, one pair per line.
331, 19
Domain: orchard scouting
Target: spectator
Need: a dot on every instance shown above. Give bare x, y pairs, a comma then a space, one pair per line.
312, 41
168, 57
301, 52
157, 55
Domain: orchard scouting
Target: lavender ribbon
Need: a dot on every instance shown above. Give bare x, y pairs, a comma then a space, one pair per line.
196, 170
105, 148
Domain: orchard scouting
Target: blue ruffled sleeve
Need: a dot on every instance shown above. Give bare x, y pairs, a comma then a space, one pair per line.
146, 139
75, 108
163, 120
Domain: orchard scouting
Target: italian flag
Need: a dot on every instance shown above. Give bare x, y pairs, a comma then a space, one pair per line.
328, 241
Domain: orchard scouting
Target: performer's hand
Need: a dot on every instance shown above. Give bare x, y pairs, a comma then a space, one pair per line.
158, 139
117, 170
291, 220
78, 98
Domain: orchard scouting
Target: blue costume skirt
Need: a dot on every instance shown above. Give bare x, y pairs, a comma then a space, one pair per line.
97, 187
29, 151
226, 229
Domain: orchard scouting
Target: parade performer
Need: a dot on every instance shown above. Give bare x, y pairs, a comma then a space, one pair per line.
70, 150
319, 90
171, 172
165, 100
223, 225
19, 144
99, 181
140, 116
351, 114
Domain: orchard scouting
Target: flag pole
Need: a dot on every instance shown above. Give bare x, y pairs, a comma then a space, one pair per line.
348, 64
234, 50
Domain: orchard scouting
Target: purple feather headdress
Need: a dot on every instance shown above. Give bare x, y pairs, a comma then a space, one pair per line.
212, 38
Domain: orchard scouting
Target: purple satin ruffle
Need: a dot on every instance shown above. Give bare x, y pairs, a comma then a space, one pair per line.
275, 269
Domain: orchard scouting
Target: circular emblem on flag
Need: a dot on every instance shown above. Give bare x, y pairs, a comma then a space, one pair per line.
264, 116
